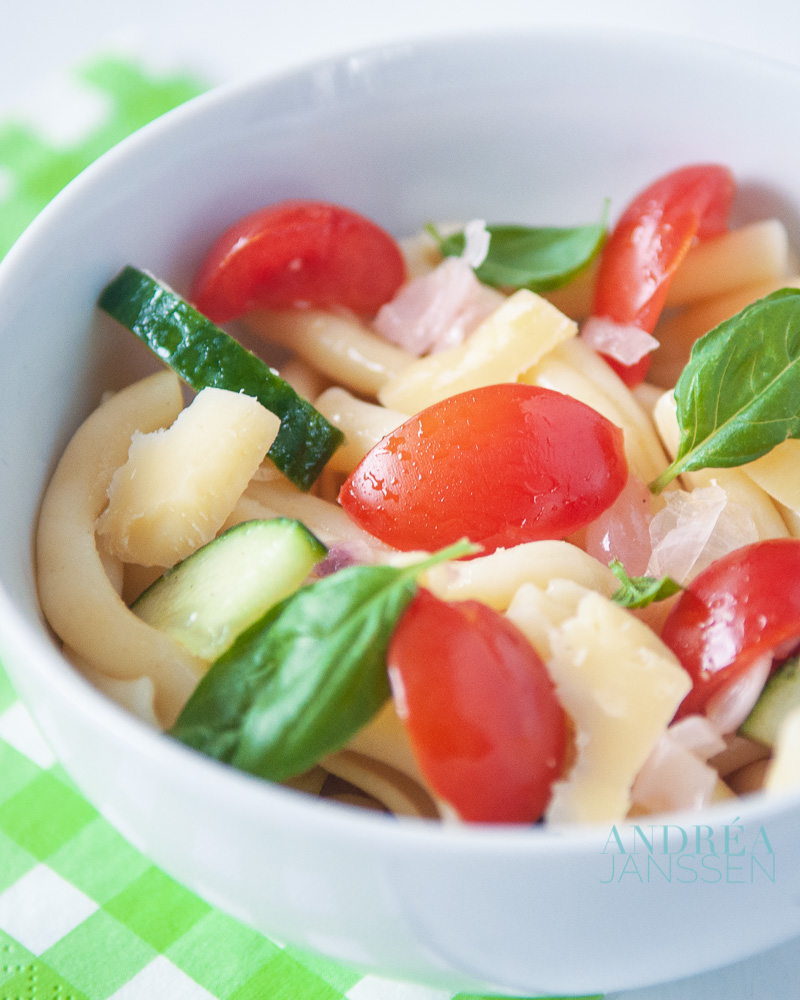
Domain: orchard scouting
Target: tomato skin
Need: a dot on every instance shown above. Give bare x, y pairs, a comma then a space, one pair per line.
648, 243
299, 253
480, 709
501, 465
739, 608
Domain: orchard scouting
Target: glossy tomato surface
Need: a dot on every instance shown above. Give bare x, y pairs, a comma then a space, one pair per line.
739, 608
299, 253
501, 465
648, 243
480, 709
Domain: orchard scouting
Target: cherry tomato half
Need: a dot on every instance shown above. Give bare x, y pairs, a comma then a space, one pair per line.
479, 708
501, 465
299, 253
648, 243
739, 608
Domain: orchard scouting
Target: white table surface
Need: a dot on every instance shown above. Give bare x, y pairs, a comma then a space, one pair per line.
230, 39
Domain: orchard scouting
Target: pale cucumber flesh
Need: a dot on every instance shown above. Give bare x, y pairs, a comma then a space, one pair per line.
212, 596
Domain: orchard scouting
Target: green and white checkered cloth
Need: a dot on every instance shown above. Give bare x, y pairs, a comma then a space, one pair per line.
84, 915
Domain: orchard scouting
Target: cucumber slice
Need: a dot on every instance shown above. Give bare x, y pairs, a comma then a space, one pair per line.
217, 592
203, 355
780, 696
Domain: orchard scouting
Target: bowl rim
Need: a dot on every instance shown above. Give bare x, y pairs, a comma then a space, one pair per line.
222, 782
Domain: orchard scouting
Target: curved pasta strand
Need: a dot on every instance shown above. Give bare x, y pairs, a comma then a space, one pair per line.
395, 790
340, 348
384, 738
324, 519
75, 592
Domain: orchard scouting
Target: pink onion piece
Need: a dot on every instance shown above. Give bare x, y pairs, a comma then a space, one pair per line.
437, 310
694, 529
344, 554
626, 344
623, 531
729, 707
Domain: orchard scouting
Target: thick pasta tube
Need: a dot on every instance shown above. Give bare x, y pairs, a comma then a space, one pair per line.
643, 454
324, 519
746, 256
516, 335
620, 686
77, 596
384, 738
340, 348
678, 333
363, 425
587, 361
494, 579
178, 485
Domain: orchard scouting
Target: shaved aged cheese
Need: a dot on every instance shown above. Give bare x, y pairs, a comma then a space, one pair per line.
180, 484
619, 684
505, 345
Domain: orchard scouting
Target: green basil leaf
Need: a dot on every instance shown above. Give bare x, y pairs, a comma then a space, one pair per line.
639, 591
296, 685
738, 395
540, 259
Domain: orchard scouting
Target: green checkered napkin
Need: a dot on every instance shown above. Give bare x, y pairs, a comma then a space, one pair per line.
83, 915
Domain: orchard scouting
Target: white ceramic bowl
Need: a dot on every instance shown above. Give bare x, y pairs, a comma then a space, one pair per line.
535, 128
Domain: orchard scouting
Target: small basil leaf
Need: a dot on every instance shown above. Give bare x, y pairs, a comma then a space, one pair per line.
639, 591
738, 396
296, 685
540, 259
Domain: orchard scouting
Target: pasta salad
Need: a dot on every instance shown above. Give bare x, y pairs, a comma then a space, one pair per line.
513, 535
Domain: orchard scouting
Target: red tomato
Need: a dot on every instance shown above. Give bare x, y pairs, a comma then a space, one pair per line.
739, 608
649, 242
479, 708
503, 464
299, 253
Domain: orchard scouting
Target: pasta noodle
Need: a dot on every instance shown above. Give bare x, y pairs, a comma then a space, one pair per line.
363, 425
746, 256
340, 348
494, 579
395, 790
76, 594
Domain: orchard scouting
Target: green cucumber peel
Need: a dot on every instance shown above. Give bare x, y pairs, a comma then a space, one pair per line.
640, 591
301, 681
738, 395
203, 355
538, 258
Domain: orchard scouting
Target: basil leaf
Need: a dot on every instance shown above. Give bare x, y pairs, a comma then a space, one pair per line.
540, 259
738, 395
639, 591
298, 683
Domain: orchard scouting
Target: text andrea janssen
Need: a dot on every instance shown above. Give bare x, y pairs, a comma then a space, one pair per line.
672, 853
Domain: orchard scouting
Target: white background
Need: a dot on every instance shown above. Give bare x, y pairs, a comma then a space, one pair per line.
220, 41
